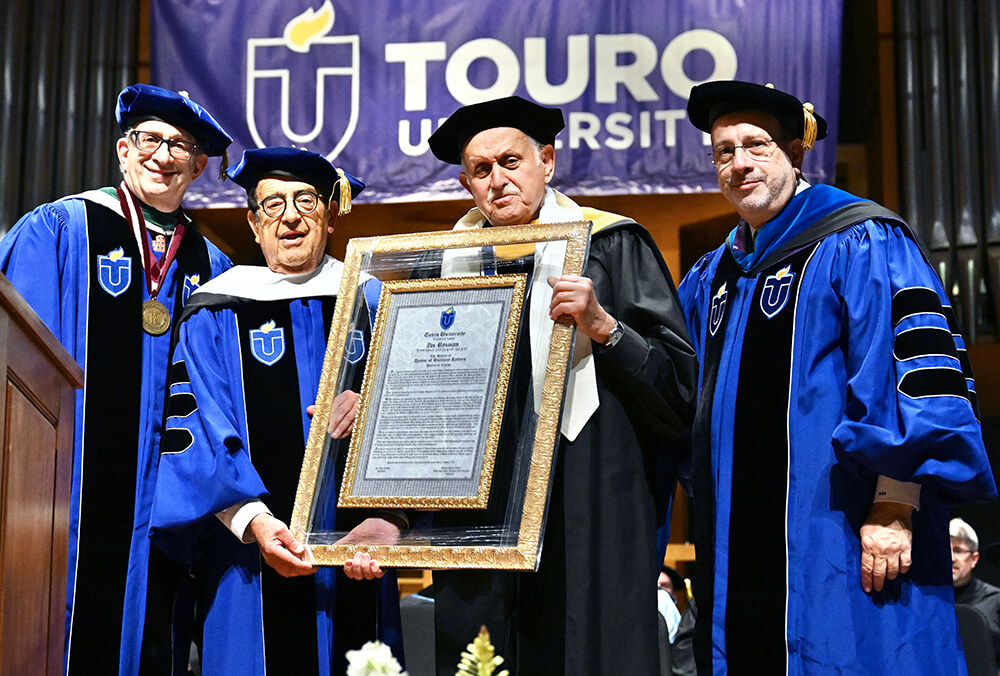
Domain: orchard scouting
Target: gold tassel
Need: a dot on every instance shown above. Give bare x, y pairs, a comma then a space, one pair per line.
224, 165
809, 127
344, 186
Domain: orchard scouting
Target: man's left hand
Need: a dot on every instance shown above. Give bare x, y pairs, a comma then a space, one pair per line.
574, 296
279, 547
886, 544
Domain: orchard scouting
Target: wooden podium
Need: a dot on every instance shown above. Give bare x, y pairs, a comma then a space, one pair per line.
36, 428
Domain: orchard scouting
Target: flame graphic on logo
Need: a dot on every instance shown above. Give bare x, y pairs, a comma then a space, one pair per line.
721, 292
195, 279
783, 272
116, 254
267, 327
307, 26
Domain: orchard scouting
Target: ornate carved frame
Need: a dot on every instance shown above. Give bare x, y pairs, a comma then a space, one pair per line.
415, 549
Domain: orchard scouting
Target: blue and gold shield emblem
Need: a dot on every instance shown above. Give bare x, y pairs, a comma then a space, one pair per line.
267, 344
355, 349
777, 288
191, 282
717, 309
448, 318
114, 272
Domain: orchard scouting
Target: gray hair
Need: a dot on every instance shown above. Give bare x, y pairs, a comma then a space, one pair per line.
960, 530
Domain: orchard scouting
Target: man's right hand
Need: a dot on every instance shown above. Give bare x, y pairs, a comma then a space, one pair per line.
374, 530
345, 410
279, 547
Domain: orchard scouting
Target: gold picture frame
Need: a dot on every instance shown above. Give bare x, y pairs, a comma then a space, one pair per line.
509, 536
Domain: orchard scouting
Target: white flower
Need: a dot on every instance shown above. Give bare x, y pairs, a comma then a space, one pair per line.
373, 659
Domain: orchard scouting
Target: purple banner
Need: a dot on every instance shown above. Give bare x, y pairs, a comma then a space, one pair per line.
366, 83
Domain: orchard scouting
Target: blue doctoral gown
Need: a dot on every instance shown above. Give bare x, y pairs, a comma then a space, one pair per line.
246, 365
824, 364
79, 266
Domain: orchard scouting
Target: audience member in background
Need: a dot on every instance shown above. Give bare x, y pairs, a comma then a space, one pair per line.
969, 590
668, 584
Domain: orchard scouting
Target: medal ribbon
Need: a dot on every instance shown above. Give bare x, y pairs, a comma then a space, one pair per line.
156, 270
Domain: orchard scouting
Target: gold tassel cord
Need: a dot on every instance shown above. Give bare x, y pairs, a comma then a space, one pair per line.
224, 165
344, 188
809, 127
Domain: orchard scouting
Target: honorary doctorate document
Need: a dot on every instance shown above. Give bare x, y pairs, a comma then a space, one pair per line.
433, 394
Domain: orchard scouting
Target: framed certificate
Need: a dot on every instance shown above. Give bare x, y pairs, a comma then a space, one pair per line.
445, 342
433, 394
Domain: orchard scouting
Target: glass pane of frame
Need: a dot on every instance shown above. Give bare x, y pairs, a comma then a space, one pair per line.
455, 433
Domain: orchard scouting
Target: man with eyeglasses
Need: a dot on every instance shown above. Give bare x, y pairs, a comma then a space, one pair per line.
107, 270
969, 590
247, 363
836, 421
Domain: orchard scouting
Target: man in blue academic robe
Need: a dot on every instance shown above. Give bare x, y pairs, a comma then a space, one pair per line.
107, 270
246, 365
836, 422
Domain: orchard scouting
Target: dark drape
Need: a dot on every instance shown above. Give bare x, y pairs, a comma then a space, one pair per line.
64, 62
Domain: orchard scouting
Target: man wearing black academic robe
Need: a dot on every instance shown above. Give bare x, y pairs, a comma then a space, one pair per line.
591, 606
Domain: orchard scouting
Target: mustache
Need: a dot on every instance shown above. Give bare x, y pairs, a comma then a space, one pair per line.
737, 181
508, 189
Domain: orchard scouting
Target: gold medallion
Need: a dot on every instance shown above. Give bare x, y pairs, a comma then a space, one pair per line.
155, 318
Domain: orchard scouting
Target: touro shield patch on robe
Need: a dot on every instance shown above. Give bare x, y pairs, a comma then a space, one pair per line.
718, 309
114, 272
355, 349
191, 282
267, 344
774, 295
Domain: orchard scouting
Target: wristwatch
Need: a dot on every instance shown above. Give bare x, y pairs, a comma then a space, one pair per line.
615, 335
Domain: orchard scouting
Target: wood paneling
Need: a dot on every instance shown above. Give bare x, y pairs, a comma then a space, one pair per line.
36, 402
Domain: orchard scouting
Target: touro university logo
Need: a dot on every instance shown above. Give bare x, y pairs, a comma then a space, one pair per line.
355, 349
717, 310
282, 69
267, 344
447, 318
774, 295
191, 282
114, 271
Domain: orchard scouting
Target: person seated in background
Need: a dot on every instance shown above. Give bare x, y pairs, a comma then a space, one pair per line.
668, 584
969, 590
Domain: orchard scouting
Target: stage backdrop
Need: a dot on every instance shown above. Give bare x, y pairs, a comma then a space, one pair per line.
366, 81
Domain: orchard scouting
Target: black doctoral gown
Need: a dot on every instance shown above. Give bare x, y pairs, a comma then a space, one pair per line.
591, 606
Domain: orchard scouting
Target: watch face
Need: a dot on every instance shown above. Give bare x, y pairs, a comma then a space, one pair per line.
615, 334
